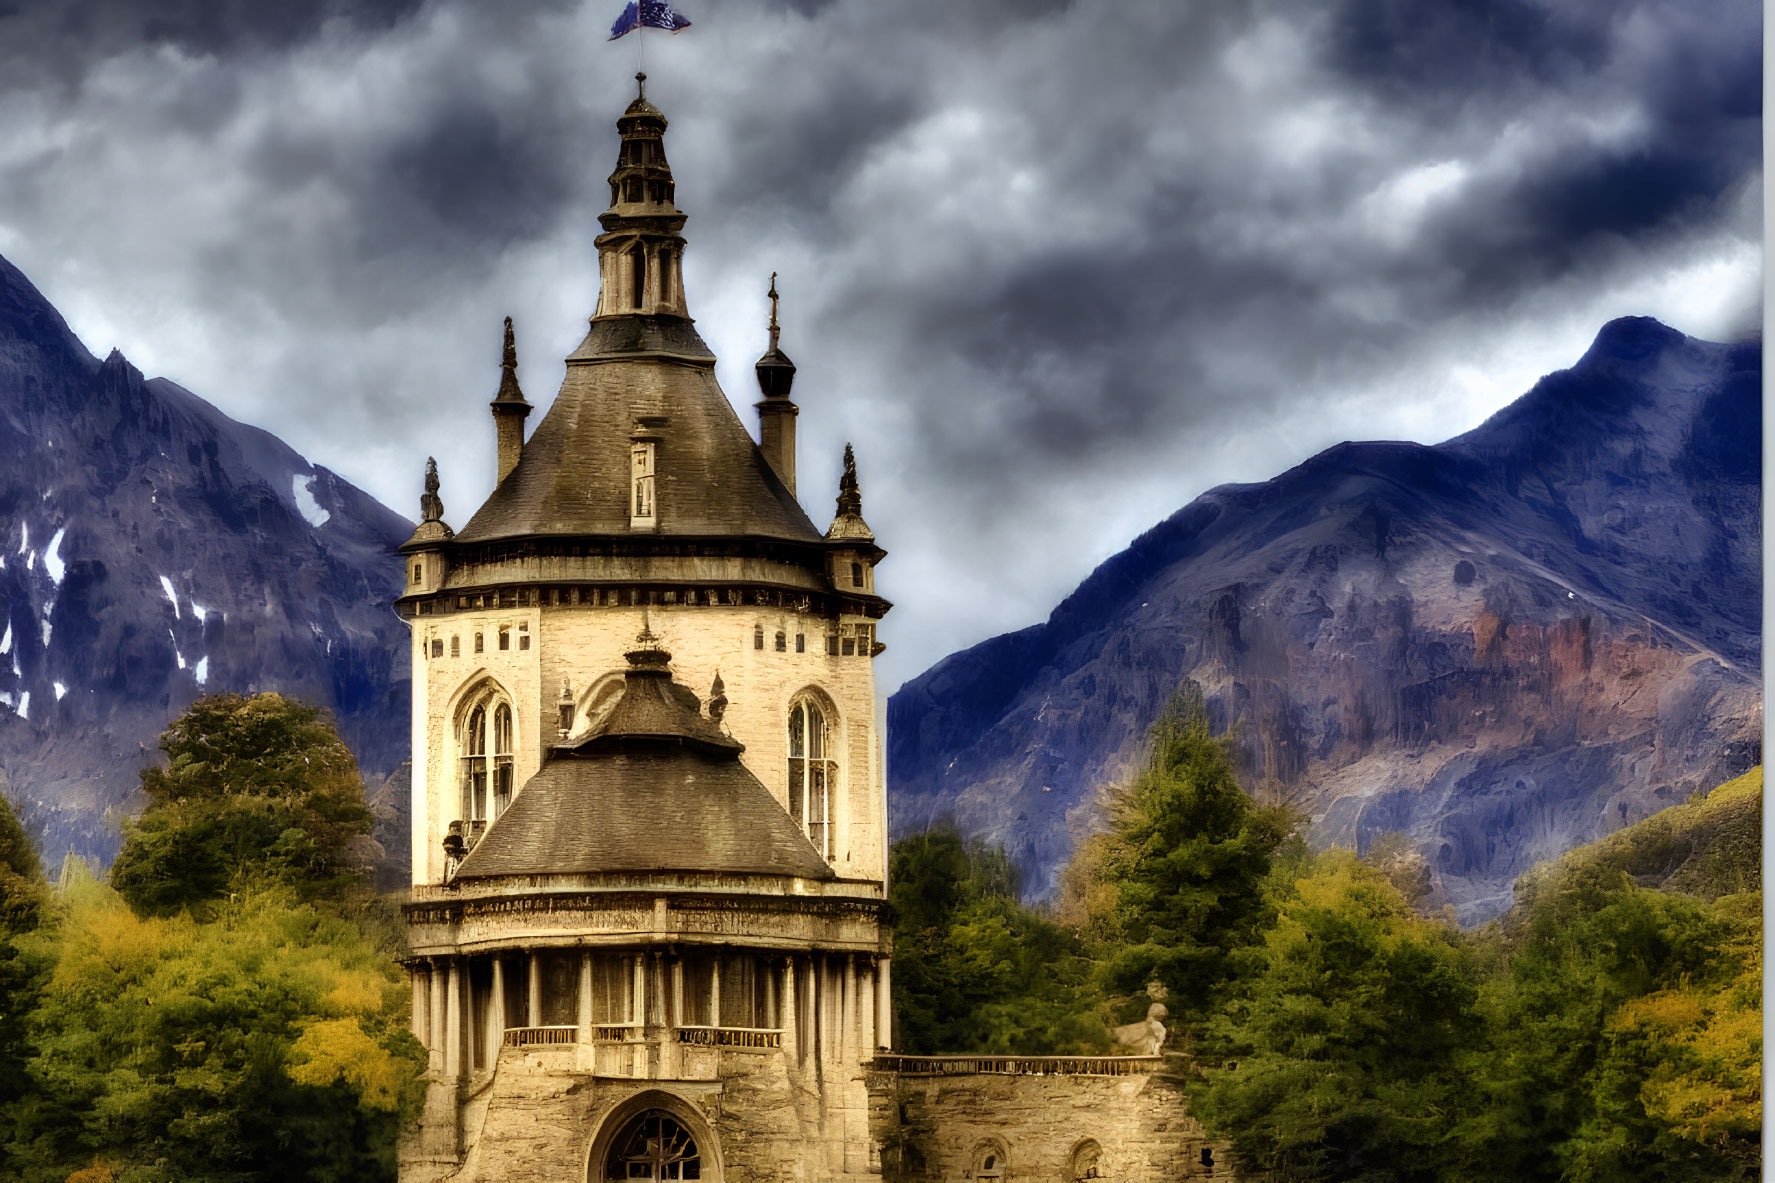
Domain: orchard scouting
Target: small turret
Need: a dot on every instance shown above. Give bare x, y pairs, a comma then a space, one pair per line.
425, 562
509, 408
853, 561
776, 414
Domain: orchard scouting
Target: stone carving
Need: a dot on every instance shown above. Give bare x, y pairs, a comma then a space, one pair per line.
431, 507
850, 497
1147, 1036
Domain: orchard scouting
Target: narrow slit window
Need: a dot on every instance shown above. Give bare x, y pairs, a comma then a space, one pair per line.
782, 643
502, 758
758, 636
480, 642
801, 642
638, 273
456, 646
856, 575
505, 638
641, 508
665, 275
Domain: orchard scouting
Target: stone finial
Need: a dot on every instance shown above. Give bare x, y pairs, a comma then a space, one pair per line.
850, 497
566, 708
776, 330
717, 699
510, 394
431, 507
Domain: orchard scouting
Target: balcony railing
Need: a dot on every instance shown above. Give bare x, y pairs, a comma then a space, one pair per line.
1017, 1065
751, 1037
540, 1036
616, 1032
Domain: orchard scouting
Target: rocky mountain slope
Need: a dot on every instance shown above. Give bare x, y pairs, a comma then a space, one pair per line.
1502, 646
151, 549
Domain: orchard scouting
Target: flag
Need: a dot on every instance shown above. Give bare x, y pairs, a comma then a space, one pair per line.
655, 14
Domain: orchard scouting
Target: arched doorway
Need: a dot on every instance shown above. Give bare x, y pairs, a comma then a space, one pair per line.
654, 1146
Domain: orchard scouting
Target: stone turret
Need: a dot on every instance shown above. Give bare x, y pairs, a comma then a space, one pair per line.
776, 414
509, 408
640, 250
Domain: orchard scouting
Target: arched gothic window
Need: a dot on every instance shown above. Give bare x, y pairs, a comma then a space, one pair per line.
638, 275
487, 755
656, 1147
813, 771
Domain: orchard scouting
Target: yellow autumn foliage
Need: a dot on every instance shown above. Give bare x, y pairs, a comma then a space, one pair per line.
1708, 1085
330, 1050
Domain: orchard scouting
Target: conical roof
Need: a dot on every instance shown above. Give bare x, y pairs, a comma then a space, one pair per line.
655, 787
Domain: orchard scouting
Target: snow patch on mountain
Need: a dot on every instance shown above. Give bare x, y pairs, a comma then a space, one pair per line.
302, 488
171, 595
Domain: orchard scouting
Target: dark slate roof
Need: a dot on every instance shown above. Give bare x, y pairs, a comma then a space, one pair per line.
655, 787
573, 479
644, 808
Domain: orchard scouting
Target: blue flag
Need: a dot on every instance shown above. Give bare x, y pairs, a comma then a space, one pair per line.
655, 14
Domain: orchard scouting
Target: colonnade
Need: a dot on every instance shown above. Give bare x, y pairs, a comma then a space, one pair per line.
826, 1007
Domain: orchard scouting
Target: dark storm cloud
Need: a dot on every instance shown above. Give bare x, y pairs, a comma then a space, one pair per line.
1054, 267
44, 40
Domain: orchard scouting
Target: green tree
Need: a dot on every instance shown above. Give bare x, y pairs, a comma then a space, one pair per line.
267, 1043
1339, 1046
262, 785
1602, 1034
975, 970
23, 906
1189, 855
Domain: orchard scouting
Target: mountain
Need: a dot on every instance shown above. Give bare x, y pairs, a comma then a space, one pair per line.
1502, 646
152, 549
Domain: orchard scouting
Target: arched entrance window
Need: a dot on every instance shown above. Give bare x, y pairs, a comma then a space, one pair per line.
653, 1146
1087, 1161
813, 772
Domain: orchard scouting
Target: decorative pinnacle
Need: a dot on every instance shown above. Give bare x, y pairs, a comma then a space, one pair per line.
850, 498
775, 329
640, 85
510, 393
431, 508
717, 699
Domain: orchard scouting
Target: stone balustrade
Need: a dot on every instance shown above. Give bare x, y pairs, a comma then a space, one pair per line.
759, 1038
1016, 1065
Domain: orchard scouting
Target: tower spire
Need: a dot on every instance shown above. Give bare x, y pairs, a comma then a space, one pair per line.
640, 249
776, 414
510, 408
850, 497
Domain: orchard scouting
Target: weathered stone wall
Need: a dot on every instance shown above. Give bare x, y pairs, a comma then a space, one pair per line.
764, 1120
937, 1129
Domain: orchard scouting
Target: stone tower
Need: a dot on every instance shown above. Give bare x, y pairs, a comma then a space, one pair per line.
648, 810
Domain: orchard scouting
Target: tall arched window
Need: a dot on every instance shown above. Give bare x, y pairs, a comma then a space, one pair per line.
486, 758
813, 772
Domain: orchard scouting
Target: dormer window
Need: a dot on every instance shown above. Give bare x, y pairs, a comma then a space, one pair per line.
641, 504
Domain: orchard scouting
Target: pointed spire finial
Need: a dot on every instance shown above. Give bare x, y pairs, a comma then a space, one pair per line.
510, 361
717, 699
776, 330
850, 497
511, 395
431, 507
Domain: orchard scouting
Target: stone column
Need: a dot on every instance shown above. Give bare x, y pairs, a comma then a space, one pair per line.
866, 1014
678, 991
496, 1012
585, 997
772, 1017
715, 992
884, 1006
847, 1012
638, 1015
533, 999
435, 1014
791, 1045
421, 1029
453, 1023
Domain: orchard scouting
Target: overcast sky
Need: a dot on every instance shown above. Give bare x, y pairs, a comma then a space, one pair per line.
1055, 268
